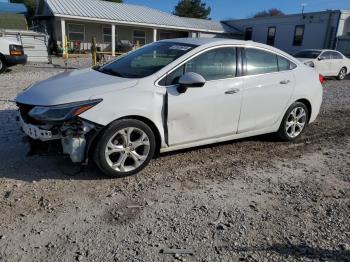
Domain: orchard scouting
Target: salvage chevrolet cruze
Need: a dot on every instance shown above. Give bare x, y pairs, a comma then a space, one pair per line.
171, 95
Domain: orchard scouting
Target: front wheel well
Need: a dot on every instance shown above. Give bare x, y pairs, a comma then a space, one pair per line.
2, 57
308, 105
93, 143
151, 125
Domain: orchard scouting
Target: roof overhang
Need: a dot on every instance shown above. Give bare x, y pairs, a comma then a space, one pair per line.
92, 19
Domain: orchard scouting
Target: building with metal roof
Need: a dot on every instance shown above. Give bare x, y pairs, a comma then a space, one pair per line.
110, 22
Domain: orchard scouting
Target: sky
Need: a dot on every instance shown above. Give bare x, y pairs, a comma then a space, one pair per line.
225, 9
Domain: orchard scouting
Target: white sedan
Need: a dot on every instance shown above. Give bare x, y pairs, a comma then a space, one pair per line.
326, 62
171, 95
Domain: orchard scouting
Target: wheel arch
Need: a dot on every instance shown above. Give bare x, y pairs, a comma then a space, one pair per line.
3, 58
308, 105
92, 144
151, 124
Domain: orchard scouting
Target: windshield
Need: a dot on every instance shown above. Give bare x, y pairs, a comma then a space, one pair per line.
308, 54
146, 60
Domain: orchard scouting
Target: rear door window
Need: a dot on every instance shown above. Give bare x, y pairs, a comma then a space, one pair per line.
260, 62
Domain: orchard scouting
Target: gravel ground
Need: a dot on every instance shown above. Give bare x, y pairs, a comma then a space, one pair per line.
249, 200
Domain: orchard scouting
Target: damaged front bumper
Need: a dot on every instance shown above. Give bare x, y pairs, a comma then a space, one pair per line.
76, 135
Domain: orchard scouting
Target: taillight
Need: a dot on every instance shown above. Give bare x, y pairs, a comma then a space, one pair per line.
16, 50
322, 79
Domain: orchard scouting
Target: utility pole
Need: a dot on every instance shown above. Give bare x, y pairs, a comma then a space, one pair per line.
303, 5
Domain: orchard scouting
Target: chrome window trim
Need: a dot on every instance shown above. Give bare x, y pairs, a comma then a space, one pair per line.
221, 46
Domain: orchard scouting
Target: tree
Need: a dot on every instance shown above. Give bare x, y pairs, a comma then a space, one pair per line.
271, 12
192, 8
115, 1
30, 4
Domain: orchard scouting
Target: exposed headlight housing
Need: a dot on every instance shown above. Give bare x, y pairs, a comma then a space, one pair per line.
310, 64
16, 50
61, 112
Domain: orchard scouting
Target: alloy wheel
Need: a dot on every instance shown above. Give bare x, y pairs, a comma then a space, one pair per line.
296, 122
342, 74
127, 149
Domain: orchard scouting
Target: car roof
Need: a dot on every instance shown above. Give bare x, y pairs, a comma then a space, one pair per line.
208, 42
203, 41
318, 50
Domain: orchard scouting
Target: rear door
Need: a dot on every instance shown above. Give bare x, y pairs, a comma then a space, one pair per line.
268, 86
211, 111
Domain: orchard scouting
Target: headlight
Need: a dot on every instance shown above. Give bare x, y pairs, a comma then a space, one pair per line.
62, 112
16, 50
310, 64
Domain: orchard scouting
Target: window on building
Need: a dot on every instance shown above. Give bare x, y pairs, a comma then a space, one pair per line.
164, 35
139, 37
271, 35
299, 35
107, 34
260, 62
219, 63
76, 32
248, 34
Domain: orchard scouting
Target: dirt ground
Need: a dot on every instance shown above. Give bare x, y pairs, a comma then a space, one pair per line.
249, 200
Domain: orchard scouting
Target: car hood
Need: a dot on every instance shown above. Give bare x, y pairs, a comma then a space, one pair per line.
74, 86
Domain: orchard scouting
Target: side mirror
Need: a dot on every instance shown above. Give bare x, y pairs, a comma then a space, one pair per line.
190, 80
320, 58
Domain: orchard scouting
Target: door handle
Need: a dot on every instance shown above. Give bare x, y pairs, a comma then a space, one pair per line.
285, 82
232, 91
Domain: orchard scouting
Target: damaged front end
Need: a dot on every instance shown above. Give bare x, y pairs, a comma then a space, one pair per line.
62, 122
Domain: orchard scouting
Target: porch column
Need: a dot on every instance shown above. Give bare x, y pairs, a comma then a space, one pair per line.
113, 39
63, 32
154, 34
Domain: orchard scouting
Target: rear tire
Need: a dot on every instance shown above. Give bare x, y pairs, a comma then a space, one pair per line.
342, 74
294, 122
125, 148
3, 66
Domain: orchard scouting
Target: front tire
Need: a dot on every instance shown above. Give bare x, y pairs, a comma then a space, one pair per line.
2, 65
125, 148
294, 122
342, 74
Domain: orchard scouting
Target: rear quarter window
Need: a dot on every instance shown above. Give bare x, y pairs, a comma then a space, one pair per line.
284, 64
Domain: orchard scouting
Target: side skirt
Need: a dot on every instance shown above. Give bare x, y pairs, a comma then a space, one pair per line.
219, 140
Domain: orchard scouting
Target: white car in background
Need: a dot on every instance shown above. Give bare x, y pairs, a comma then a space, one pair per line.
326, 62
171, 95
11, 53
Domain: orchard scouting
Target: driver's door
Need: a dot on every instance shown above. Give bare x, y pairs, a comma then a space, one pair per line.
324, 64
211, 111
